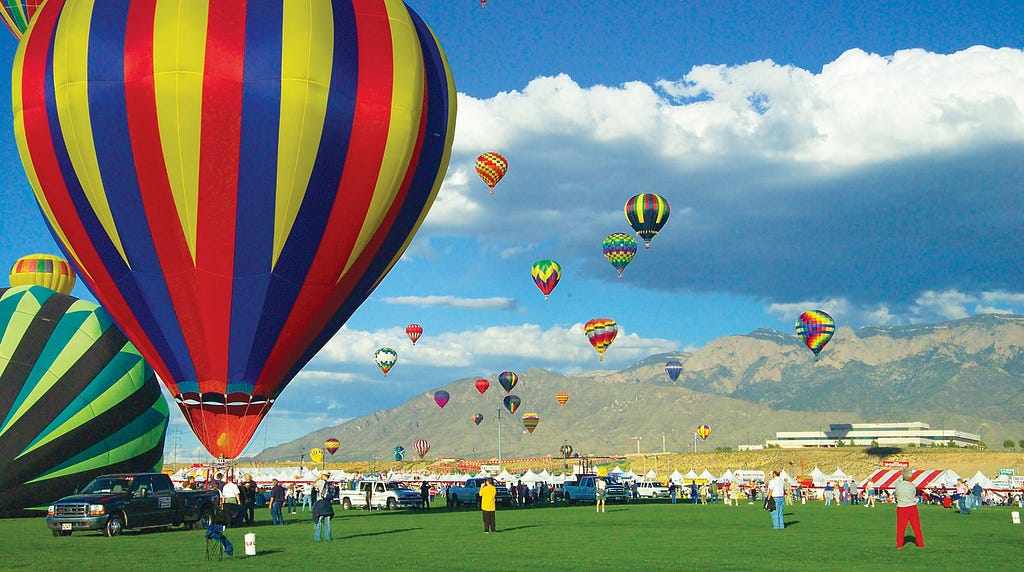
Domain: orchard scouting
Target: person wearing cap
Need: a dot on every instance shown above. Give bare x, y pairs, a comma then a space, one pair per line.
906, 510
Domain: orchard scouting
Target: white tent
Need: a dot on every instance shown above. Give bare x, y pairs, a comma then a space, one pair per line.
676, 477
727, 477
530, 478
787, 478
706, 475
819, 478
839, 475
505, 477
616, 471
979, 478
630, 475
651, 475
544, 475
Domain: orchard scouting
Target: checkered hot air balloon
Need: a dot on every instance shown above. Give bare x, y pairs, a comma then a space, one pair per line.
546, 274
619, 248
647, 213
562, 398
601, 332
530, 421
385, 358
815, 327
422, 447
44, 270
332, 445
704, 432
492, 168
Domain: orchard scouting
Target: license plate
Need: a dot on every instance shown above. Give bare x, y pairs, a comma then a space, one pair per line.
65, 526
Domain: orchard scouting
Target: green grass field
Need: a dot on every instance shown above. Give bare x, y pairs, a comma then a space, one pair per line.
627, 537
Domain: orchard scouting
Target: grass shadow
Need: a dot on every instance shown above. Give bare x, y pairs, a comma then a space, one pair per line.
790, 523
511, 528
380, 533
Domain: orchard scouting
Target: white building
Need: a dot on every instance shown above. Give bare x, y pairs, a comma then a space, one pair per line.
867, 434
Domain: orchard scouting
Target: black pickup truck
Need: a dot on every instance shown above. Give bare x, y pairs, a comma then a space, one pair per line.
113, 503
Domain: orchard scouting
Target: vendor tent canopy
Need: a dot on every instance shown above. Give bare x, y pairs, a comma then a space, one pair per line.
707, 476
819, 478
652, 476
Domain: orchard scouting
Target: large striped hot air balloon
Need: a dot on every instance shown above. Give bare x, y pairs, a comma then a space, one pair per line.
232, 179
562, 398
647, 213
421, 446
619, 248
508, 380
414, 331
601, 332
332, 445
530, 421
17, 14
492, 168
704, 432
44, 270
76, 398
816, 328
546, 274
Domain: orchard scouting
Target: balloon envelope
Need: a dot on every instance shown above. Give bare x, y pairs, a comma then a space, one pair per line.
385, 358
316, 454
441, 397
703, 432
17, 14
619, 248
673, 369
601, 332
562, 398
44, 270
546, 274
234, 183
530, 421
508, 380
566, 451
414, 331
421, 446
816, 328
76, 398
647, 214
478, 417
399, 453
511, 403
492, 168
332, 445
482, 385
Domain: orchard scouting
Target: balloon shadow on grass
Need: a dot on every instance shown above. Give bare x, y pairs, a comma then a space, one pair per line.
511, 528
381, 533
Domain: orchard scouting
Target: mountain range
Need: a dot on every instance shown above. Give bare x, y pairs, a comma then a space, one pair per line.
966, 374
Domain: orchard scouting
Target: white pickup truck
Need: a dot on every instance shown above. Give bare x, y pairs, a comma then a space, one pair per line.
584, 489
389, 495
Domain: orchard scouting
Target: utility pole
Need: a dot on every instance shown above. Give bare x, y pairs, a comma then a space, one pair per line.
662, 441
499, 437
174, 443
637, 439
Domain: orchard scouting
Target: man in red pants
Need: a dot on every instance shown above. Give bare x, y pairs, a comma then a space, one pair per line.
906, 510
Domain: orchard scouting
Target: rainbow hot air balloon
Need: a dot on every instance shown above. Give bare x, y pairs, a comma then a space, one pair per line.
414, 331
76, 399
478, 417
673, 369
530, 421
399, 452
482, 385
316, 454
816, 328
704, 432
422, 447
385, 358
647, 213
17, 14
44, 270
508, 380
441, 398
492, 168
511, 403
562, 398
566, 451
601, 332
332, 445
233, 183
546, 274
619, 248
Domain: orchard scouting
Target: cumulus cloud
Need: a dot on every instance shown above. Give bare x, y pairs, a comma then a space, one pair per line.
496, 303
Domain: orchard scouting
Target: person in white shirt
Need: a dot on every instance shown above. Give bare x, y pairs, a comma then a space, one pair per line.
230, 500
600, 494
777, 491
906, 510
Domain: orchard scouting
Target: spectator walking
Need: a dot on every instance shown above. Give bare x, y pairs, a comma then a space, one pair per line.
277, 495
777, 491
249, 490
672, 489
961, 497
290, 498
978, 491
307, 497
323, 512
828, 493
487, 508
906, 510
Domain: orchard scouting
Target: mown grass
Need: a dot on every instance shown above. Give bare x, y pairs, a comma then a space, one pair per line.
642, 537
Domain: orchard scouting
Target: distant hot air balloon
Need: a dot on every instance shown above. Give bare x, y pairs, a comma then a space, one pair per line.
562, 398
508, 380
441, 398
332, 445
546, 274
316, 454
399, 452
566, 451
601, 332
76, 399
478, 417
816, 328
414, 331
385, 359
647, 213
421, 446
482, 385
619, 248
673, 369
232, 179
483, 3
44, 270
17, 14
511, 403
491, 167
530, 421
704, 432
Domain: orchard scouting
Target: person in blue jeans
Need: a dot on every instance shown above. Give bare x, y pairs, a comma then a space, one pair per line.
323, 512
277, 494
777, 490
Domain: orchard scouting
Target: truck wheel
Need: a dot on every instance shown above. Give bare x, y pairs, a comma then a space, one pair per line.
392, 504
115, 526
568, 499
346, 504
205, 519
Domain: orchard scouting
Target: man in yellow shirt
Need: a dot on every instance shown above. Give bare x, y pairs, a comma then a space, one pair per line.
487, 494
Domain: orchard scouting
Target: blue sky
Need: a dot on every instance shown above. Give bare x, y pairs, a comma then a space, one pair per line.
859, 157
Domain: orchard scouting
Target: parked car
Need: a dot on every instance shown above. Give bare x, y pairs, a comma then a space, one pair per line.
651, 490
389, 495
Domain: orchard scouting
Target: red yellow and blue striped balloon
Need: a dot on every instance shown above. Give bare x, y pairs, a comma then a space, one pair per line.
17, 14
647, 214
492, 168
815, 327
546, 274
232, 179
565, 450
619, 248
332, 445
704, 432
44, 270
601, 332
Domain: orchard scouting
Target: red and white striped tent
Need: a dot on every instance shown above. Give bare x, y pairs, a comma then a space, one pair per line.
922, 479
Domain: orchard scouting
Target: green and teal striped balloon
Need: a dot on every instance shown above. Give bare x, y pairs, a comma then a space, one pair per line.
76, 398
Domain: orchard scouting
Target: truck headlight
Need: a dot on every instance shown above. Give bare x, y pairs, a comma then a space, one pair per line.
96, 510
49, 510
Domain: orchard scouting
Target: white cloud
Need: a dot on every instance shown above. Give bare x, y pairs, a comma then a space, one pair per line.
496, 303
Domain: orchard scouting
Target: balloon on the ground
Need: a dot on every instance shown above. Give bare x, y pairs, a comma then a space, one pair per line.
385, 358
508, 380
704, 432
441, 398
492, 168
414, 331
481, 385
17, 14
332, 445
399, 453
546, 274
673, 369
647, 214
511, 403
76, 398
619, 248
44, 270
421, 446
601, 332
816, 328
562, 398
316, 454
232, 183
566, 451
478, 417
530, 421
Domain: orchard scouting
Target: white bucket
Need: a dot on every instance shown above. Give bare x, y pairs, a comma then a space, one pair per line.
250, 544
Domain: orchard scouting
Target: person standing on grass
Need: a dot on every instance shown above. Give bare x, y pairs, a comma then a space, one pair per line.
323, 512
961, 494
487, 508
277, 494
906, 510
425, 493
600, 494
777, 491
978, 491
307, 497
290, 498
249, 490
231, 501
